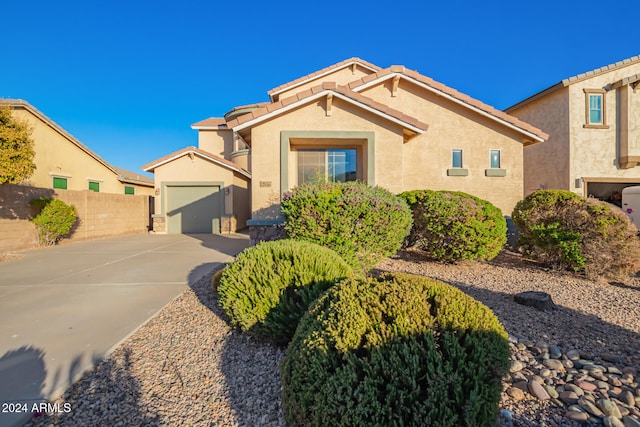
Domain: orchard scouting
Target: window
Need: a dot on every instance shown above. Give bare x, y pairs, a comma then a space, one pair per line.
494, 159
456, 158
94, 186
333, 165
60, 183
595, 108
129, 190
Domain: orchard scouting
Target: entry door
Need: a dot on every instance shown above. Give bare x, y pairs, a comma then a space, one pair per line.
193, 209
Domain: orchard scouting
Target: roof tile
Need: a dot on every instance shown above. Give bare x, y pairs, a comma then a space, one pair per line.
311, 76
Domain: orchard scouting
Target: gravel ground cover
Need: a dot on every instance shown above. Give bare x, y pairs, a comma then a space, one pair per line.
187, 367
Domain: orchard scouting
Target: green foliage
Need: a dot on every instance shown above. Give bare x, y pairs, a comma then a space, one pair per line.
16, 148
54, 220
451, 225
564, 230
268, 288
363, 224
400, 350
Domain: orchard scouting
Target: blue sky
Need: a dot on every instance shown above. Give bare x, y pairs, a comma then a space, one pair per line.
128, 78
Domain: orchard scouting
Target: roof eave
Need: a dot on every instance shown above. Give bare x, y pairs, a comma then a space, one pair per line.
319, 95
451, 98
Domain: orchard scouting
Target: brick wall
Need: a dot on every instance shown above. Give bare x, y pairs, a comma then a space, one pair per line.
99, 214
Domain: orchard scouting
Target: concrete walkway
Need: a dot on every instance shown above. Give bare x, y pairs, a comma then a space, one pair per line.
63, 309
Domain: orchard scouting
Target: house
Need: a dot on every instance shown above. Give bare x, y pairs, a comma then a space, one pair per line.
64, 163
353, 120
593, 120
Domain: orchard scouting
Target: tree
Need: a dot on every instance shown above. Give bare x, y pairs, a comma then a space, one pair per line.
16, 148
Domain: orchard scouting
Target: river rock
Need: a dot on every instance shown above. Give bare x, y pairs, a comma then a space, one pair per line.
538, 391
609, 408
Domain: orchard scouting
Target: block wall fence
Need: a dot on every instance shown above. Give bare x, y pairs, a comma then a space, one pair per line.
99, 214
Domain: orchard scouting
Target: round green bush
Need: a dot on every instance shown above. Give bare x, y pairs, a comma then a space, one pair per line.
54, 220
397, 350
363, 224
451, 226
268, 288
588, 236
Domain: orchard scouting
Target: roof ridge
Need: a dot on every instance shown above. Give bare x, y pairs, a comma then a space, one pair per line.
62, 131
322, 71
600, 70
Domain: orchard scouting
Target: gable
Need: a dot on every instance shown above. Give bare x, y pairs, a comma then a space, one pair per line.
386, 85
341, 73
325, 94
618, 68
193, 154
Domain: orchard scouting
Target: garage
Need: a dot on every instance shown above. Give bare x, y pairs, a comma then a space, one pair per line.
194, 208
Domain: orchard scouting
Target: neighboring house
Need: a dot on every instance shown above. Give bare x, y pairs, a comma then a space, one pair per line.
353, 120
64, 163
593, 120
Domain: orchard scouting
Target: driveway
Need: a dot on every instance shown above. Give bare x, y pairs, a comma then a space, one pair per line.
62, 309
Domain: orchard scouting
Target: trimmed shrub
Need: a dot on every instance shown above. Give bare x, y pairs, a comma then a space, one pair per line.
451, 226
54, 220
393, 351
563, 230
268, 288
363, 224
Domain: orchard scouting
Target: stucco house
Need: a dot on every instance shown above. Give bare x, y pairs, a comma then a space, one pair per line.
593, 120
64, 163
353, 120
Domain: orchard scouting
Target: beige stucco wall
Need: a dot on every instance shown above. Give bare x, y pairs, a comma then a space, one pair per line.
546, 165
420, 163
218, 142
574, 151
340, 76
594, 151
265, 149
56, 155
427, 157
195, 169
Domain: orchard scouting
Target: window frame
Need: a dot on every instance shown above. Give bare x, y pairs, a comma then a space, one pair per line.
588, 94
132, 191
325, 152
453, 159
491, 165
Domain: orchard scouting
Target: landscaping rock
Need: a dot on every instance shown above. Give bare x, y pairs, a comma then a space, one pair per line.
538, 300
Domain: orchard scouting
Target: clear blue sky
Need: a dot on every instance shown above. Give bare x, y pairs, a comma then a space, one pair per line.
128, 78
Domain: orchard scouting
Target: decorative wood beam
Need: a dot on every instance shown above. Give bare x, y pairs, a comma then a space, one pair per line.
329, 104
394, 85
353, 68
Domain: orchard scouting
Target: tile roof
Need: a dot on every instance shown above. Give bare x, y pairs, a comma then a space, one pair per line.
308, 95
459, 97
320, 73
575, 79
601, 70
133, 177
210, 122
122, 174
149, 167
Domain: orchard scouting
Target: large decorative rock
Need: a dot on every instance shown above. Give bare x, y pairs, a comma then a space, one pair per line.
538, 300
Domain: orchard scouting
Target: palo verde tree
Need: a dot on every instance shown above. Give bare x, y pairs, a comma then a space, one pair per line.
16, 148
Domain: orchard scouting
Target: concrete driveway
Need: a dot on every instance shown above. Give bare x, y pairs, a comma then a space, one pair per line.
62, 309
